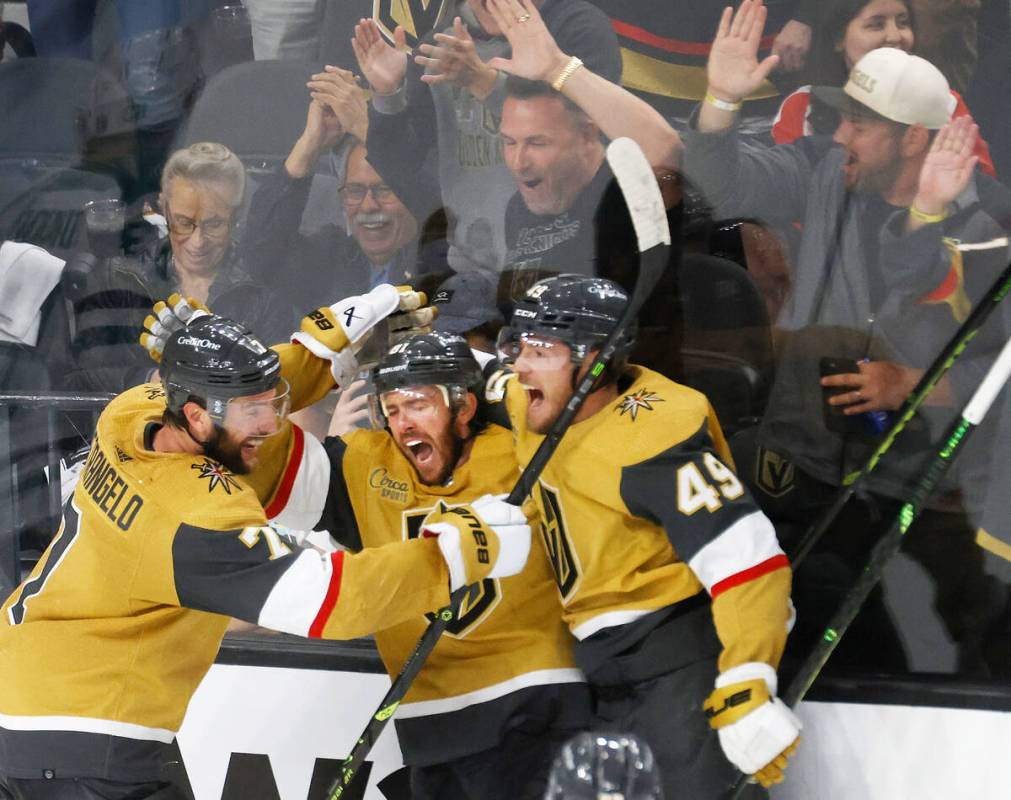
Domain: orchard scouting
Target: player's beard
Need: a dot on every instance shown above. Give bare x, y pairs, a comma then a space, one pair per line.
226, 451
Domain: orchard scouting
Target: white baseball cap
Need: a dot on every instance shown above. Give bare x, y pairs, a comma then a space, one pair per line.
895, 85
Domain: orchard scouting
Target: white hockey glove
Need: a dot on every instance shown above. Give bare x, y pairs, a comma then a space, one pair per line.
489, 538
757, 731
338, 333
166, 317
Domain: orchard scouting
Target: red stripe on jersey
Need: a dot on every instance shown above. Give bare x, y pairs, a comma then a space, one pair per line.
283, 494
948, 287
749, 574
670, 45
332, 593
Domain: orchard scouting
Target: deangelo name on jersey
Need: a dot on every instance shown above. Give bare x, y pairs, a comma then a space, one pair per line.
109, 491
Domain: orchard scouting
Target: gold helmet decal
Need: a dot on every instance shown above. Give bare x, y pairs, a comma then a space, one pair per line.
419, 17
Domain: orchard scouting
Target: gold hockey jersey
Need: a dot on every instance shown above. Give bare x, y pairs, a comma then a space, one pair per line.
507, 650
641, 512
103, 644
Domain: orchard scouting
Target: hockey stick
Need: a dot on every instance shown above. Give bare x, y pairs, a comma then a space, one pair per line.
645, 206
972, 415
937, 370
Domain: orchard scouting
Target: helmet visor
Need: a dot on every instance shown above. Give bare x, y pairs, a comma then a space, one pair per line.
532, 351
258, 416
416, 403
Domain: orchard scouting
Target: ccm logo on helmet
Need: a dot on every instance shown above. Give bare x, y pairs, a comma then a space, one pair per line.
206, 344
522, 312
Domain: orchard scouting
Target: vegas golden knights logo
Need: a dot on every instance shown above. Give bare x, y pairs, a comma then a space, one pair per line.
481, 598
559, 547
419, 17
774, 473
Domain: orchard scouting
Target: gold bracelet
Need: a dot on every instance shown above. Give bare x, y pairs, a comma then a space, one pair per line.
722, 105
927, 219
566, 73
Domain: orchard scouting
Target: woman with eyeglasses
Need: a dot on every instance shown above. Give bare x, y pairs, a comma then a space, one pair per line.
202, 188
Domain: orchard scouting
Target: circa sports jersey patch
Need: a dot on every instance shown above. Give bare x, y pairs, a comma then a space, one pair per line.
216, 476
390, 487
643, 399
154, 392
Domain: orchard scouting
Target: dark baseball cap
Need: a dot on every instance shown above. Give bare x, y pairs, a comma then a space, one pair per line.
466, 301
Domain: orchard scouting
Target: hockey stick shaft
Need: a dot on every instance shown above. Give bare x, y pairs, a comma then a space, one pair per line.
937, 370
645, 205
959, 432
956, 436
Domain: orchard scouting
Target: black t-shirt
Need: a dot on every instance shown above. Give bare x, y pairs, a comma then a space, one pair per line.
540, 245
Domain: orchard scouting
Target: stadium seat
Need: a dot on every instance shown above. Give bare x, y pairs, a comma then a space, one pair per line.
257, 110
727, 350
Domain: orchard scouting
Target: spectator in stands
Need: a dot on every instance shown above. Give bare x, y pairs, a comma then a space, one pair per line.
847, 30
380, 243
556, 156
458, 112
201, 189
882, 278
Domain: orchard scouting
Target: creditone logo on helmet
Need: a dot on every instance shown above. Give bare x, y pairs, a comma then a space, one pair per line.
194, 341
419, 17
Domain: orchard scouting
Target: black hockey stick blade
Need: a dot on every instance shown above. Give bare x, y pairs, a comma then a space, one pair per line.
641, 191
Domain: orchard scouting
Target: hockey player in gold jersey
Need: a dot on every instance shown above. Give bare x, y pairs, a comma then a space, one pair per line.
102, 646
670, 577
500, 692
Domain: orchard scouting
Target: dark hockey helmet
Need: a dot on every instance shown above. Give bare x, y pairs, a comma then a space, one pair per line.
578, 310
596, 765
216, 360
427, 359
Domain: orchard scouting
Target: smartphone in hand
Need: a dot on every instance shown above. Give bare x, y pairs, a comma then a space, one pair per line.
833, 416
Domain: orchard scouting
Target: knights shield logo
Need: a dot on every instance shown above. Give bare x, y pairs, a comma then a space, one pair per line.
774, 474
419, 17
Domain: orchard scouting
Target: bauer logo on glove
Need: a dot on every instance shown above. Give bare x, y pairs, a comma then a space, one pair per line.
338, 333
488, 539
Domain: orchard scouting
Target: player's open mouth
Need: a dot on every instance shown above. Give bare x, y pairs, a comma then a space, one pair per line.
535, 396
422, 451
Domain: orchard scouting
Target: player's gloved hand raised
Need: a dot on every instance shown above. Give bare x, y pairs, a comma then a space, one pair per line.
166, 317
338, 333
489, 538
757, 731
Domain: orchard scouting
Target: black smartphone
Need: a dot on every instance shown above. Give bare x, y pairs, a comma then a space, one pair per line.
835, 420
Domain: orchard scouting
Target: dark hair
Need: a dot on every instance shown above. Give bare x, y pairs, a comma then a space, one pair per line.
827, 67
524, 89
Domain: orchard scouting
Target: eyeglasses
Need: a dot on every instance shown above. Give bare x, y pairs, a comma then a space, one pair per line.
184, 226
354, 193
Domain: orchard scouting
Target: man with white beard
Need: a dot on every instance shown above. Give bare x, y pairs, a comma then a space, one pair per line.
376, 242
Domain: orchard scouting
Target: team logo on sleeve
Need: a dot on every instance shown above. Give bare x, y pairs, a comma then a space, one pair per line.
641, 400
216, 475
419, 17
481, 599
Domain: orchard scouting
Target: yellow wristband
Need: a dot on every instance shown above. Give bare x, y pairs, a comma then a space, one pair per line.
566, 73
928, 219
723, 105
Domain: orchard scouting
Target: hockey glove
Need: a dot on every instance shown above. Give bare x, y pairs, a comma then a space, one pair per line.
337, 333
166, 318
487, 539
757, 731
